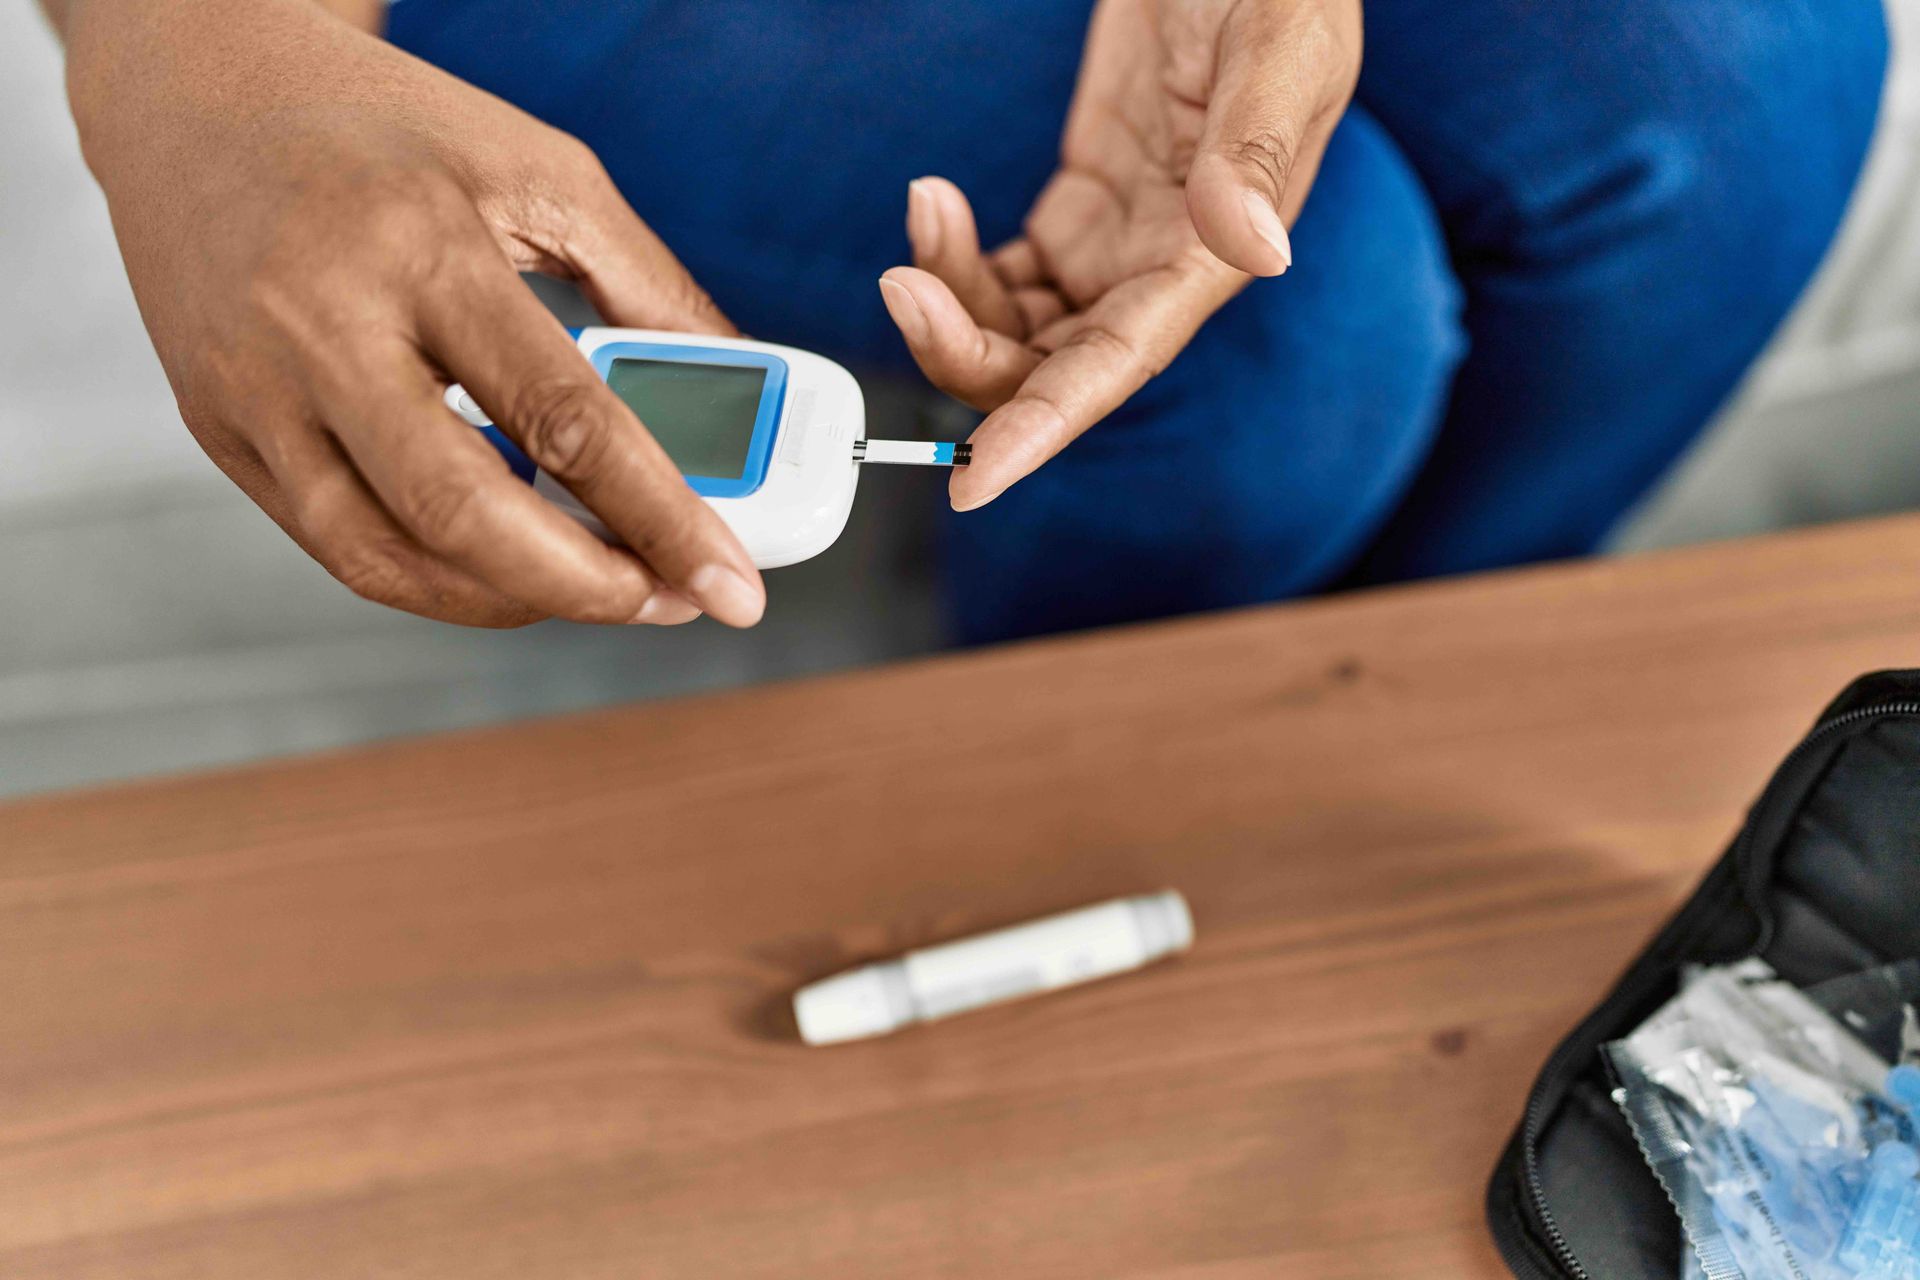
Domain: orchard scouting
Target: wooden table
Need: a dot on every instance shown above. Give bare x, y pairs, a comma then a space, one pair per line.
513, 1003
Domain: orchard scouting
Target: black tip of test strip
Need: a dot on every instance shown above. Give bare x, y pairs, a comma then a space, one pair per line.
962, 454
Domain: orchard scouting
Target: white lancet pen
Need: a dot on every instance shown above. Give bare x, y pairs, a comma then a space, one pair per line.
1026, 959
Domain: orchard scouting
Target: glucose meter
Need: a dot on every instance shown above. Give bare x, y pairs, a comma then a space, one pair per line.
771, 437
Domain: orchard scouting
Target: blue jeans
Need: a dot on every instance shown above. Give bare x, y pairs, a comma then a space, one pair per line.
1545, 243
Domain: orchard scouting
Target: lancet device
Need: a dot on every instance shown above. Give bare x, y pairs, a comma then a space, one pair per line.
771, 436
1024, 960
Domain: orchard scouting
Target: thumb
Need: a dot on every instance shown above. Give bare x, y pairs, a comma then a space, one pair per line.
627, 272
1265, 97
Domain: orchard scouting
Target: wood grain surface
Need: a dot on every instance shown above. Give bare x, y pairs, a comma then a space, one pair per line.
513, 1003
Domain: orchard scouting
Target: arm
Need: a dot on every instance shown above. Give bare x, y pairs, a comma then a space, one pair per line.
321, 232
367, 15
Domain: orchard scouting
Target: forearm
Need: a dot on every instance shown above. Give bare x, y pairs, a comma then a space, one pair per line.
368, 15
149, 71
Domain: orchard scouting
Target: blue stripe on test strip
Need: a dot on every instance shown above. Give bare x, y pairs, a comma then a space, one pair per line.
943, 455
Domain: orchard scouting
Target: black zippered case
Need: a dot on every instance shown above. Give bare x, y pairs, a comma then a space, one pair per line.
1822, 880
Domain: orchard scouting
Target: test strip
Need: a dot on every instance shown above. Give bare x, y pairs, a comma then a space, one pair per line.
920, 453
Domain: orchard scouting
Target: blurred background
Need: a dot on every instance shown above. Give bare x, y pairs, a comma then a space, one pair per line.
151, 619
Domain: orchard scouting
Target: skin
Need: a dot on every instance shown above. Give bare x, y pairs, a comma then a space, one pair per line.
1194, 133
322, 232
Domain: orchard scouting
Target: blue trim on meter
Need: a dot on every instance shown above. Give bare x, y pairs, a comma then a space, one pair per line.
517, 459
765, 422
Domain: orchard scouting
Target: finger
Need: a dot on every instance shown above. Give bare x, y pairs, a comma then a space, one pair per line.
1083, 233
1105, 356
531, 379
234, 454
327, 508
1018, 264
971, 364
295, 474
1269, 88
947, 243
626, 271
1040, 307
339, 521
451, 492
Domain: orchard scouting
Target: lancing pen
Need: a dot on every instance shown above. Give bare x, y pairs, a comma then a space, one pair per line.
1026, 959
914, 453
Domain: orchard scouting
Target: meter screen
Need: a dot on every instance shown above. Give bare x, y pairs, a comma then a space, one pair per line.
702, 414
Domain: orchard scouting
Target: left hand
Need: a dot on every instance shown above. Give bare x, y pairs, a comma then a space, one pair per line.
1195, 130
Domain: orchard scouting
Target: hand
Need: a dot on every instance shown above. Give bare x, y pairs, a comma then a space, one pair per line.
1194, 133
322, 232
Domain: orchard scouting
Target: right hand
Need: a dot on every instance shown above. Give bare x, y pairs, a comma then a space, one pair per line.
322, 232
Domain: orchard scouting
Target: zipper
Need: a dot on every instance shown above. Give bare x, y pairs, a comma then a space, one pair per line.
1535, 1118
1751, 888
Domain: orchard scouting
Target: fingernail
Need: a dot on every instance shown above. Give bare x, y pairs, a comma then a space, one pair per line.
665, 609
905, 311
976, 503
1267, 225
727, 596
923, 218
